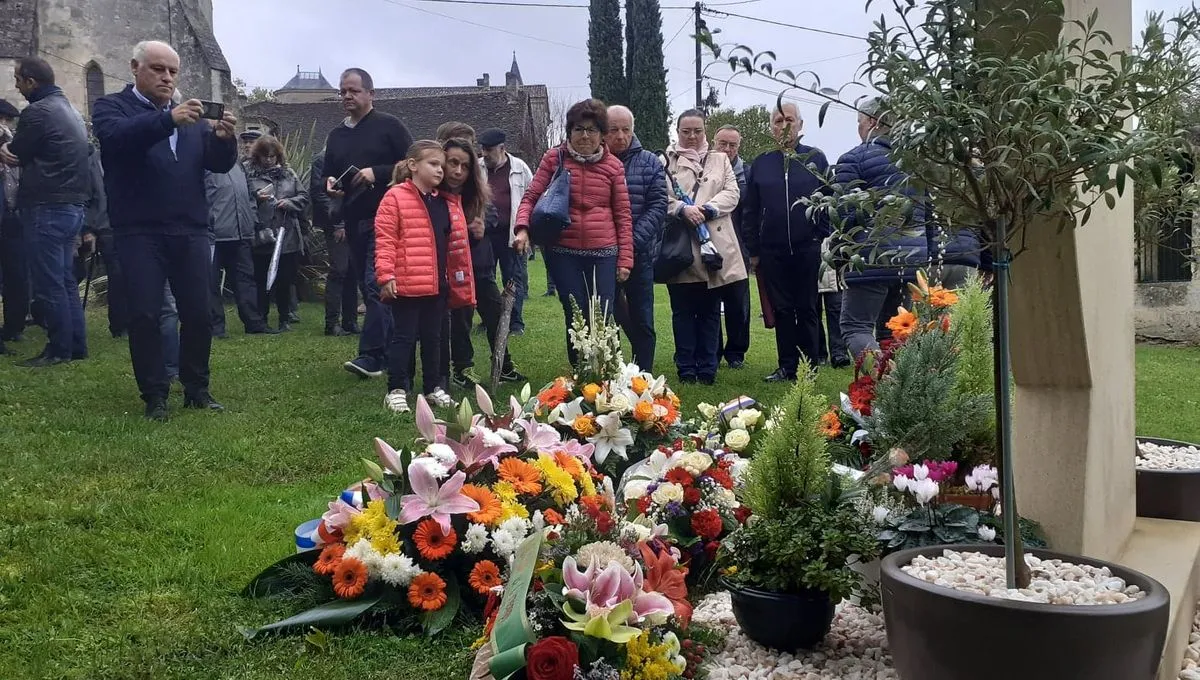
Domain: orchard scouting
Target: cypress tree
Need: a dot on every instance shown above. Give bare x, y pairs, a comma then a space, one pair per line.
647, 76
606, 53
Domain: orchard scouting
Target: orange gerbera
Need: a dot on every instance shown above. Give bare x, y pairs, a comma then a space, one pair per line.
432, 542
672, 410
489, 504
555, 394
427, 591
524, 477
940, 297
585, 426
553, 517
571, 464
330, 558
590, 392
643, 411
903, 324
638, 385
350, 578
484, 576
831, 424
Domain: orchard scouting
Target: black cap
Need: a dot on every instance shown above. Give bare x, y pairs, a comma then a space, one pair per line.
7, 110
250, 134
492, 137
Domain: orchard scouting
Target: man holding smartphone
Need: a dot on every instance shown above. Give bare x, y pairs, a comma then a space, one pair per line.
374, 142
155, 154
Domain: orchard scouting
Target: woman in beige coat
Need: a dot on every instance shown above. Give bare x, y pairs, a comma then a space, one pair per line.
707, 178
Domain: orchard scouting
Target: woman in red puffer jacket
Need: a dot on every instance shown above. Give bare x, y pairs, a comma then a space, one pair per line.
596, 251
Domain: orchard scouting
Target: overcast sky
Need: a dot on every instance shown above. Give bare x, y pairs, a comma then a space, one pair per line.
413, 42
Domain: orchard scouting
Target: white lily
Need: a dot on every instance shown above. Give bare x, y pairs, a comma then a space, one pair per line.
566, 412
611, 439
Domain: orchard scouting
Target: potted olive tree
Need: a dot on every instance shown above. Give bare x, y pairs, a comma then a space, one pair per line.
1008, 120
791, 564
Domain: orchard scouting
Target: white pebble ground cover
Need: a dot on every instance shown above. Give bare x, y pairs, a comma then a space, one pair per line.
1191, 657
855, 649
1158, 457
1053, 581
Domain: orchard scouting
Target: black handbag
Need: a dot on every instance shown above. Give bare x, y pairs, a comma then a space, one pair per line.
675, 254
552, 212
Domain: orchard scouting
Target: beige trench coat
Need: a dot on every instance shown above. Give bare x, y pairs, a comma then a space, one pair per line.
718, 188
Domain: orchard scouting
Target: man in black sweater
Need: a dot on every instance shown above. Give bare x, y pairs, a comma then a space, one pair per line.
373, 142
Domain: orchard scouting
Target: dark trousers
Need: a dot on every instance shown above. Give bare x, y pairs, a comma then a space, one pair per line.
514, 267
488, 304
234, 259
168, 322
281, 291
735, 342
15, 266
696, 322
116, 296
416, 320
52, 229
833, 343
377, 322
149, 261
549, 279
635, 312
341, 288
866, 307
791, 281
577, 278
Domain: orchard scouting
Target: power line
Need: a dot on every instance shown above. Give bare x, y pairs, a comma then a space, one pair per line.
487, 26
119, 79
562, 5
682, 26
714, 12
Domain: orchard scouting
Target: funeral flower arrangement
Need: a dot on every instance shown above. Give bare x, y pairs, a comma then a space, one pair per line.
733, 425
433, 530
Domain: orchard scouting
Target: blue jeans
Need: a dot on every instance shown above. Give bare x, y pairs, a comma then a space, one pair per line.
696, 322
514, 267
377, 322
52, 229
578, 277
635, 313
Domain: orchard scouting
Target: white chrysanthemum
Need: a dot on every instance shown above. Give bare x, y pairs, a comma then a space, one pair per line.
398, 570
696, 462
491, 438
538, 521
602, 554
368, 555
665, 493
504, 543
508, 435
442, 454
518, 527
475, 539
433, 465
724, 497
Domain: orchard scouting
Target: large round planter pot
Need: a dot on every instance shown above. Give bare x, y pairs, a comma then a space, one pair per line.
1168, 494
782, 621
937, 633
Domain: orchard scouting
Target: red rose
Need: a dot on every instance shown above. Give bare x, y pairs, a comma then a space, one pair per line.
691, 495
679, 476
742, 514
720, 476
604, 523
707, 524
552, 658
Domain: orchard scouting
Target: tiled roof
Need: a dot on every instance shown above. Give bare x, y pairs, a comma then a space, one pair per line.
421, 115
308, 80
213, 56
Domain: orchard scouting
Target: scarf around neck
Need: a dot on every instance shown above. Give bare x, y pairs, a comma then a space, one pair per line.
696, 156
591, 158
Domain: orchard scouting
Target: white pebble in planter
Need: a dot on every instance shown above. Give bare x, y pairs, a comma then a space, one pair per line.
1168, 479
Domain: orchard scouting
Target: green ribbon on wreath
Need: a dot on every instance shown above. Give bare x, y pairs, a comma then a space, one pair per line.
512, 632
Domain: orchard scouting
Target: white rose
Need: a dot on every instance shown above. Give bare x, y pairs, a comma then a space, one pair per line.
752, 417
736, 423
619, 403
635, 489
665, 493
696, 462
707, 410
738, 471
737, 440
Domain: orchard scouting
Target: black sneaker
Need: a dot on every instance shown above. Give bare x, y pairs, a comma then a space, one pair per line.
736, 364
841, 363
364, 367
293, 317
265, 330
780, 375
42, 361
464, 379
156, 409
707, 379
336, 331
687, 379
285, 328
202, 400
512, 375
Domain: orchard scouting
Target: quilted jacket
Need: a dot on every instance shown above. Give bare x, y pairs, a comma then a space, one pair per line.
600, 212
906, 248
405, 248
647, 182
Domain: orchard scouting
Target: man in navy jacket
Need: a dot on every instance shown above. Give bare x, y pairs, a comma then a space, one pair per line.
647, 180
784, 241
874, 291
155, 154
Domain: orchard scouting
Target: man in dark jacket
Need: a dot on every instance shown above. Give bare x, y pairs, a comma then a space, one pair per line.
735, 297
373, 142
231, 219
51, 146
341, 289
874, 291
97, 233
13, 262
647, 181
784, 241
155, 154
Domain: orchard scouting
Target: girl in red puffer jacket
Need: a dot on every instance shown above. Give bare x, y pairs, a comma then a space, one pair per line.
423, 266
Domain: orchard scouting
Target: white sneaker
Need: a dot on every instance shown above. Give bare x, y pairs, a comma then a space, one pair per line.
439, 397
396, 401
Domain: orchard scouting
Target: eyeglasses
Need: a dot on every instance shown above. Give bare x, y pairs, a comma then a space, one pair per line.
588, 131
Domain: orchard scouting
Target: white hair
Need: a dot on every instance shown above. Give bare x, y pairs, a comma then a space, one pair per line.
794, 105
622, 109
139, 50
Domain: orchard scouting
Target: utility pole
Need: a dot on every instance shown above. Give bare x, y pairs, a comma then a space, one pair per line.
699, 70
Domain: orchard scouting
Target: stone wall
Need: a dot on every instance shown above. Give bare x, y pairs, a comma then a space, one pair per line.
1168, 312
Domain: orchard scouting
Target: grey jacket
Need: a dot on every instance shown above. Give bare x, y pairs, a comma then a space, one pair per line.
231, 212
282, 213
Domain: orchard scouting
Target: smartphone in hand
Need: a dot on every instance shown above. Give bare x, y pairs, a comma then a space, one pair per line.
212, 110
343, 182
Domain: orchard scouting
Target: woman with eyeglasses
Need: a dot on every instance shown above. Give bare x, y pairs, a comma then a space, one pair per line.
596, 251
282, 199
702, 195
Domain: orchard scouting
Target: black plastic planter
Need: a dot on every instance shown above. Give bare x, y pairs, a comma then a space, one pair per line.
938, 633
782, 621
1168, 494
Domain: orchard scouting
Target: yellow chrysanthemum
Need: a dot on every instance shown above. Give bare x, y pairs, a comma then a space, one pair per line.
505, 491
586, 485
559, 481
385, 543
372, 523
510, 510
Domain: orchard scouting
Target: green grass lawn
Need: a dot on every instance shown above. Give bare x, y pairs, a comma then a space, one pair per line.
123, 543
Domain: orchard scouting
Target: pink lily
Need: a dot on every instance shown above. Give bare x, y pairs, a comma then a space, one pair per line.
602, 590
388, 457
485, 401
427, 424
539, 436
427, 500
476, 450
339, 514
582, 451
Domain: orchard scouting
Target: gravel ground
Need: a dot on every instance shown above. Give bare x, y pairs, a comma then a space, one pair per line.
1156, 457
1191, 658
